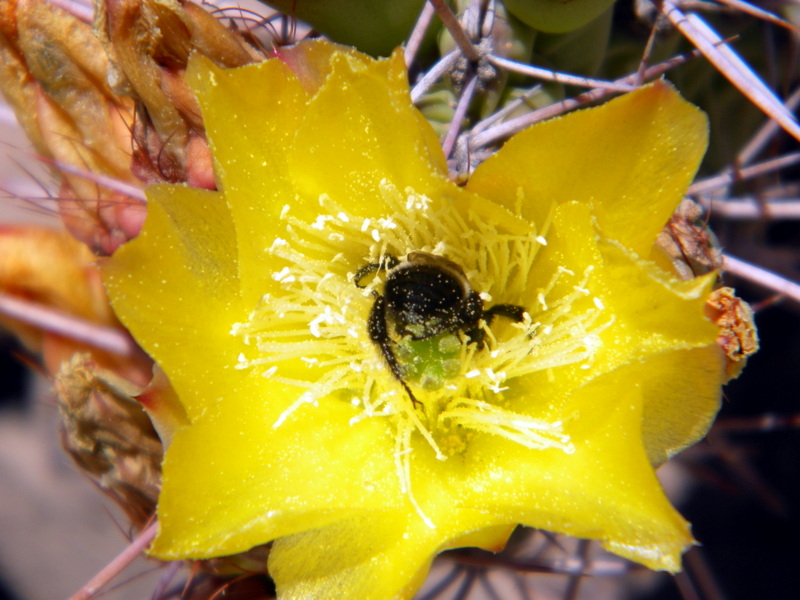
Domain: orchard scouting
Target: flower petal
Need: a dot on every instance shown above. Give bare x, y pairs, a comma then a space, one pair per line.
618, 308
335, 144
372, 557
361, 129
181, 305
689, 379
632, 158
250, 156
259, 481
311, 61
605, 490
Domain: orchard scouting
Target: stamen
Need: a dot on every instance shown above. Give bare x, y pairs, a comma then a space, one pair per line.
536, 434
402, 458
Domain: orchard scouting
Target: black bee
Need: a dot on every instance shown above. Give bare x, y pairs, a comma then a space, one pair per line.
423, 296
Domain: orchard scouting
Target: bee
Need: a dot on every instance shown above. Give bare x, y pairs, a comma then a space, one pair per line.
423, 296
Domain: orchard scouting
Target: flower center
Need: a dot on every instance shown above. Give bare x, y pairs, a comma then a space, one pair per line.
317, 331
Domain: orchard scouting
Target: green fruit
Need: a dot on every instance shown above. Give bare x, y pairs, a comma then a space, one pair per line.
557, 16
373, 26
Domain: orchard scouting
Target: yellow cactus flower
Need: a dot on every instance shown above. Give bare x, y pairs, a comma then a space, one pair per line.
320, 320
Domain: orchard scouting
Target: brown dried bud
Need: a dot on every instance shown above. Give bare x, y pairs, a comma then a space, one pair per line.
689, 243
54, 74
107, 432
16, 82
149, 42
50, 271
738, 337
109, 435
693, 250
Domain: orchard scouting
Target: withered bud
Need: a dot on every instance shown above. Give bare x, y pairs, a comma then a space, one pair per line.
109, 436
694, 250
54, 75
689, 243
149, 42
738, 337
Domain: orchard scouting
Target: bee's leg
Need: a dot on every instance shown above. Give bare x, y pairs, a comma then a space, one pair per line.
379, 333
387, 263
510, 311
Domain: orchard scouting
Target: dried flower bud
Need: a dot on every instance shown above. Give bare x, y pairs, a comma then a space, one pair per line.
55, 77
737, 330
689, 243
694, 250
109, 435
149, 42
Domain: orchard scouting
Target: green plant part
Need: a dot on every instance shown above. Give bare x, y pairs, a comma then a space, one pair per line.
373, 26
557, 16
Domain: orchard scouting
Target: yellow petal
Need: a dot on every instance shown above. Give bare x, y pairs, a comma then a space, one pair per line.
182, 305
342, 143
361, 129
689, 379
250, 155
605, 490
259, 481
378, 556
632, 158
311, 61
618, 308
